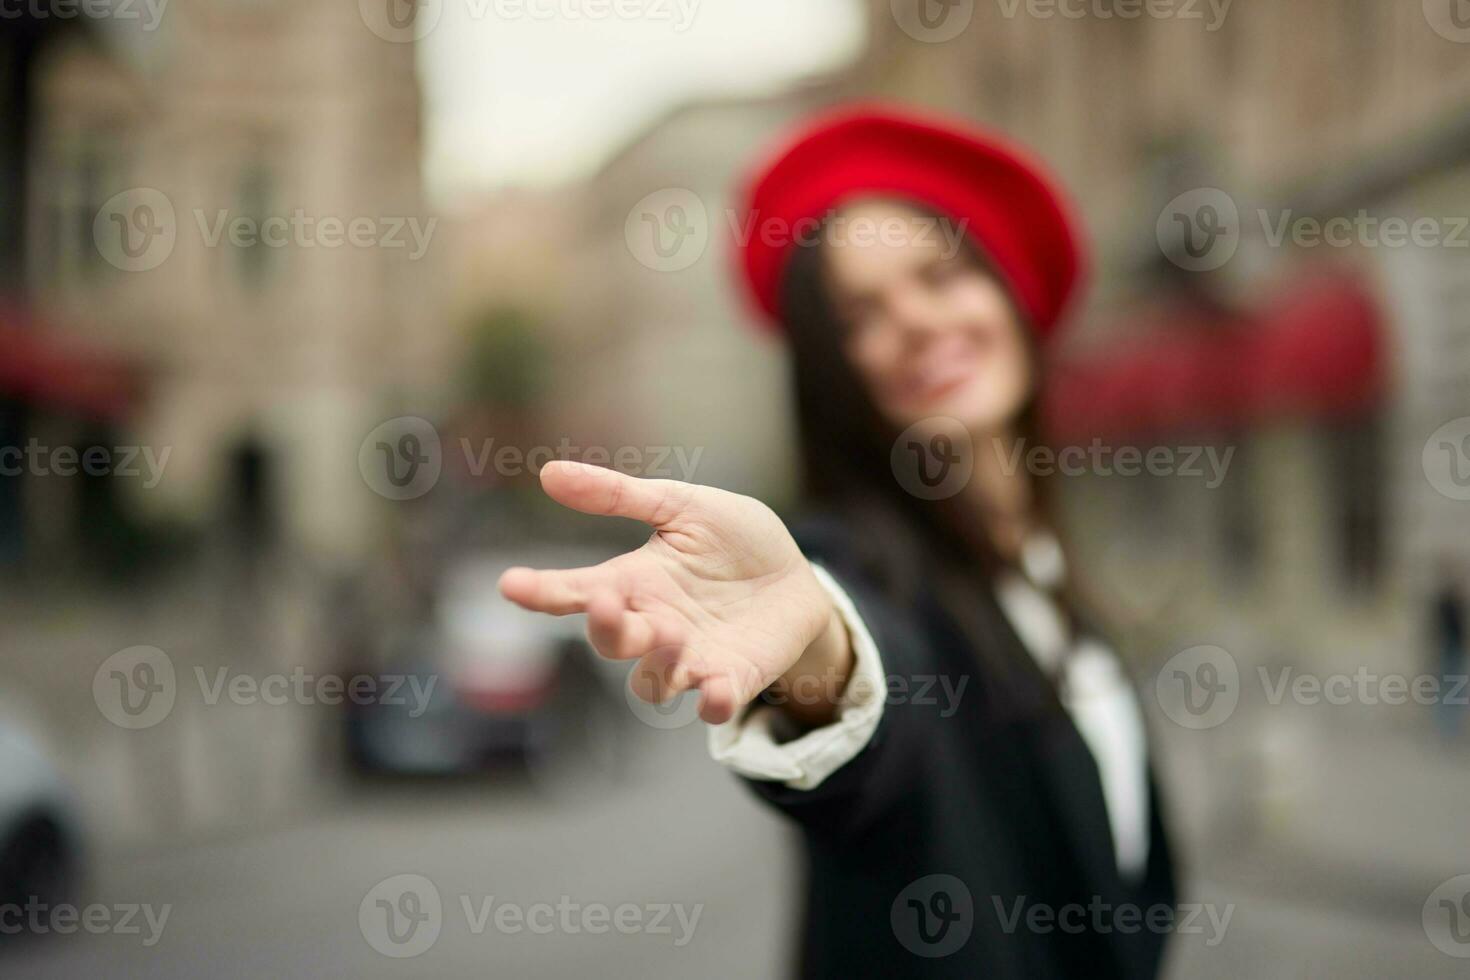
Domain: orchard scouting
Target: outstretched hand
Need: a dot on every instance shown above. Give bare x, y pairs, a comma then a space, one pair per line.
719, 599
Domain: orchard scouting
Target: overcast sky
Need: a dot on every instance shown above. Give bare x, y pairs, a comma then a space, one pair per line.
516, 99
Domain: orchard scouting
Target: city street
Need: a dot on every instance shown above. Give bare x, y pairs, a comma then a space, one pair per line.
674, 831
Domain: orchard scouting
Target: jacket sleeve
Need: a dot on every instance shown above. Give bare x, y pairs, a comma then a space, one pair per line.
839, 779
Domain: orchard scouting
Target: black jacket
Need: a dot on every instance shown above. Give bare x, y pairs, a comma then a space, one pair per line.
1002, 794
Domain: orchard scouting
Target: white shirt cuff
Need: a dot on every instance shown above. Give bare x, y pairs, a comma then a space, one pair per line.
747, 744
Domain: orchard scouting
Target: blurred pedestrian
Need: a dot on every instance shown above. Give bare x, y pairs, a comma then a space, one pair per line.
908, 673
1448, 645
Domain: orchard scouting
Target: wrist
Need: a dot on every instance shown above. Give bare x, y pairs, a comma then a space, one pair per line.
812, 687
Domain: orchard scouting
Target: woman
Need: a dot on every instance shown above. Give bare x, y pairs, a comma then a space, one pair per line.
907, 673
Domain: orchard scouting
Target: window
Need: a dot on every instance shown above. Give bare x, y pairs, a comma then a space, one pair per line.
1355, 481
255, 261
1240, 512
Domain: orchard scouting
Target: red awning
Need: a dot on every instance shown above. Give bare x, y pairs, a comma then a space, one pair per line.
37, 365
1316, 350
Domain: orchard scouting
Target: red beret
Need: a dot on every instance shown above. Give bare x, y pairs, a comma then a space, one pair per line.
1007, 202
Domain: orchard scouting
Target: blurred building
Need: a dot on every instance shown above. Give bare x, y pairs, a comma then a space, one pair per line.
1325, 532
256, 352
1290, 114
653, 346
218, 266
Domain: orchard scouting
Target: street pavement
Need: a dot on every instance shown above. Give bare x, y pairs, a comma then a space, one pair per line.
1321, 835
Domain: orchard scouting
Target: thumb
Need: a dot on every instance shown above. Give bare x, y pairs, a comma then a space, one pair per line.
598, 490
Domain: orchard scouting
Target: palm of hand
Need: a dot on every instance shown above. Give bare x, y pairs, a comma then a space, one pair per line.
719, 598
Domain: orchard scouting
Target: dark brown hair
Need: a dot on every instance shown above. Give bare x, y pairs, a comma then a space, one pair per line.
845, 455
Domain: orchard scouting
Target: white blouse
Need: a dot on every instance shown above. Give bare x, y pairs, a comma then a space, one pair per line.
1095, 692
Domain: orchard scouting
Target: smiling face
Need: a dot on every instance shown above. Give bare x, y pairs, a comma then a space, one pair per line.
929, 330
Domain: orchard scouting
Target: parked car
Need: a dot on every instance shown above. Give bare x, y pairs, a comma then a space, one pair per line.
39, 828
484, 680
